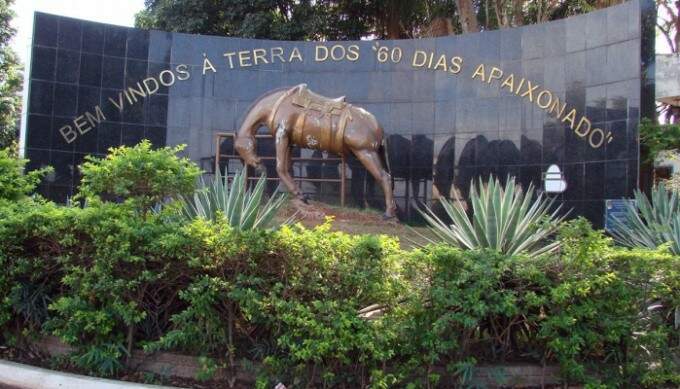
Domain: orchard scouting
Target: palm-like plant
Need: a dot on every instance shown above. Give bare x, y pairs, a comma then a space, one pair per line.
650, 223
504, 219
242, 208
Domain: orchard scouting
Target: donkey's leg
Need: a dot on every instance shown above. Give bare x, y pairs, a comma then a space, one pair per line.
245, 147
283, 161
371, 161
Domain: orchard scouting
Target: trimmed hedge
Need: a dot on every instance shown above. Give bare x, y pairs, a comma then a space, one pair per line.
104, 279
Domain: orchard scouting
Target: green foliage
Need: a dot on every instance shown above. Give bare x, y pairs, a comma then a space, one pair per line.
292, 304
605, 314
14, 184
504, 219
241, 208
471, 306
11, 79
105, 358
657, 138
285, 20
613, 306
328, 20
651, 223
289, 298
140, 174
30, 236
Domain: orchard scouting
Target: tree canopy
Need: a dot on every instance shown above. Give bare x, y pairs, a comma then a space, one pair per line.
10, 79
351, 19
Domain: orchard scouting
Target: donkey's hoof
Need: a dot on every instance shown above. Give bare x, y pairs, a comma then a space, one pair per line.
390, 218
307, 211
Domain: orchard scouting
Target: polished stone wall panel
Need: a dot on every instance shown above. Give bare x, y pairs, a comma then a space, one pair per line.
443, 131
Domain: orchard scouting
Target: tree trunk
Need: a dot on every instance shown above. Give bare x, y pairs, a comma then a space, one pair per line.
468, 16
676, 16
518, 13
393, 22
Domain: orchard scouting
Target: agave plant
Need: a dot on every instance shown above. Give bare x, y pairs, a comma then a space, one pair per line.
242, 208
650, 223
504, 219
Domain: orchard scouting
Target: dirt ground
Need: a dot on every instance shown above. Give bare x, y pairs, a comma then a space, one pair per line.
358, 221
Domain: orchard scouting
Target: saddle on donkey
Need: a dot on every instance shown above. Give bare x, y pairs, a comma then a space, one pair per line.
320, 121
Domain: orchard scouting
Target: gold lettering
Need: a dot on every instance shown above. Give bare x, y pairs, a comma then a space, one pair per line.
318, 57
353, 53
587, 127
441, 63
136, 92
229, 57
519, 87
333, 52
81, 124
590, 138
278, 53
509, 82
244, 58
530, 91
183, 70
94, 120
495, 74
260, 54
538, 99
456, 63
556, 103
295, 54
68, 133
570, 117
154, 88
162, 76
479, 72
120, 102
129, 98
416, 63
207, 65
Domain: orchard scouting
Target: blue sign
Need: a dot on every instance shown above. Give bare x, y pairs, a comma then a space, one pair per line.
615, 210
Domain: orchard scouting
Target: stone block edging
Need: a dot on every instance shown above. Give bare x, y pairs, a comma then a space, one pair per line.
185, 366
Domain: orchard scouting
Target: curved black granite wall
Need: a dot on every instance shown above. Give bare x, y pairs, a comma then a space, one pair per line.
448, 118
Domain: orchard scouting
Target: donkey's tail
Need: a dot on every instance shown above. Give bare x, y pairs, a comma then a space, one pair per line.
383, 151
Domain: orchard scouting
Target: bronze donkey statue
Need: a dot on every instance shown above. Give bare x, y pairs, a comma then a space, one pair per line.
298, 116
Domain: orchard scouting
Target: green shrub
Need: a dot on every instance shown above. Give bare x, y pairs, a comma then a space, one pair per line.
33, 235
99, 269
290, 299
603, 313
117, 271
610, 308
503, 219
470, 306
140, 174
658, 138
14, 182
291, 303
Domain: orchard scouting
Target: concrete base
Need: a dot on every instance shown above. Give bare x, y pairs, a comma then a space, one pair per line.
21, 376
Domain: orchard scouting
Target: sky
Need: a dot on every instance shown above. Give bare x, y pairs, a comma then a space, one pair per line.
120, 12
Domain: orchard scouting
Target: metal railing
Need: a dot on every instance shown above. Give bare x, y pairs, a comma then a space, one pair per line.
220, 157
